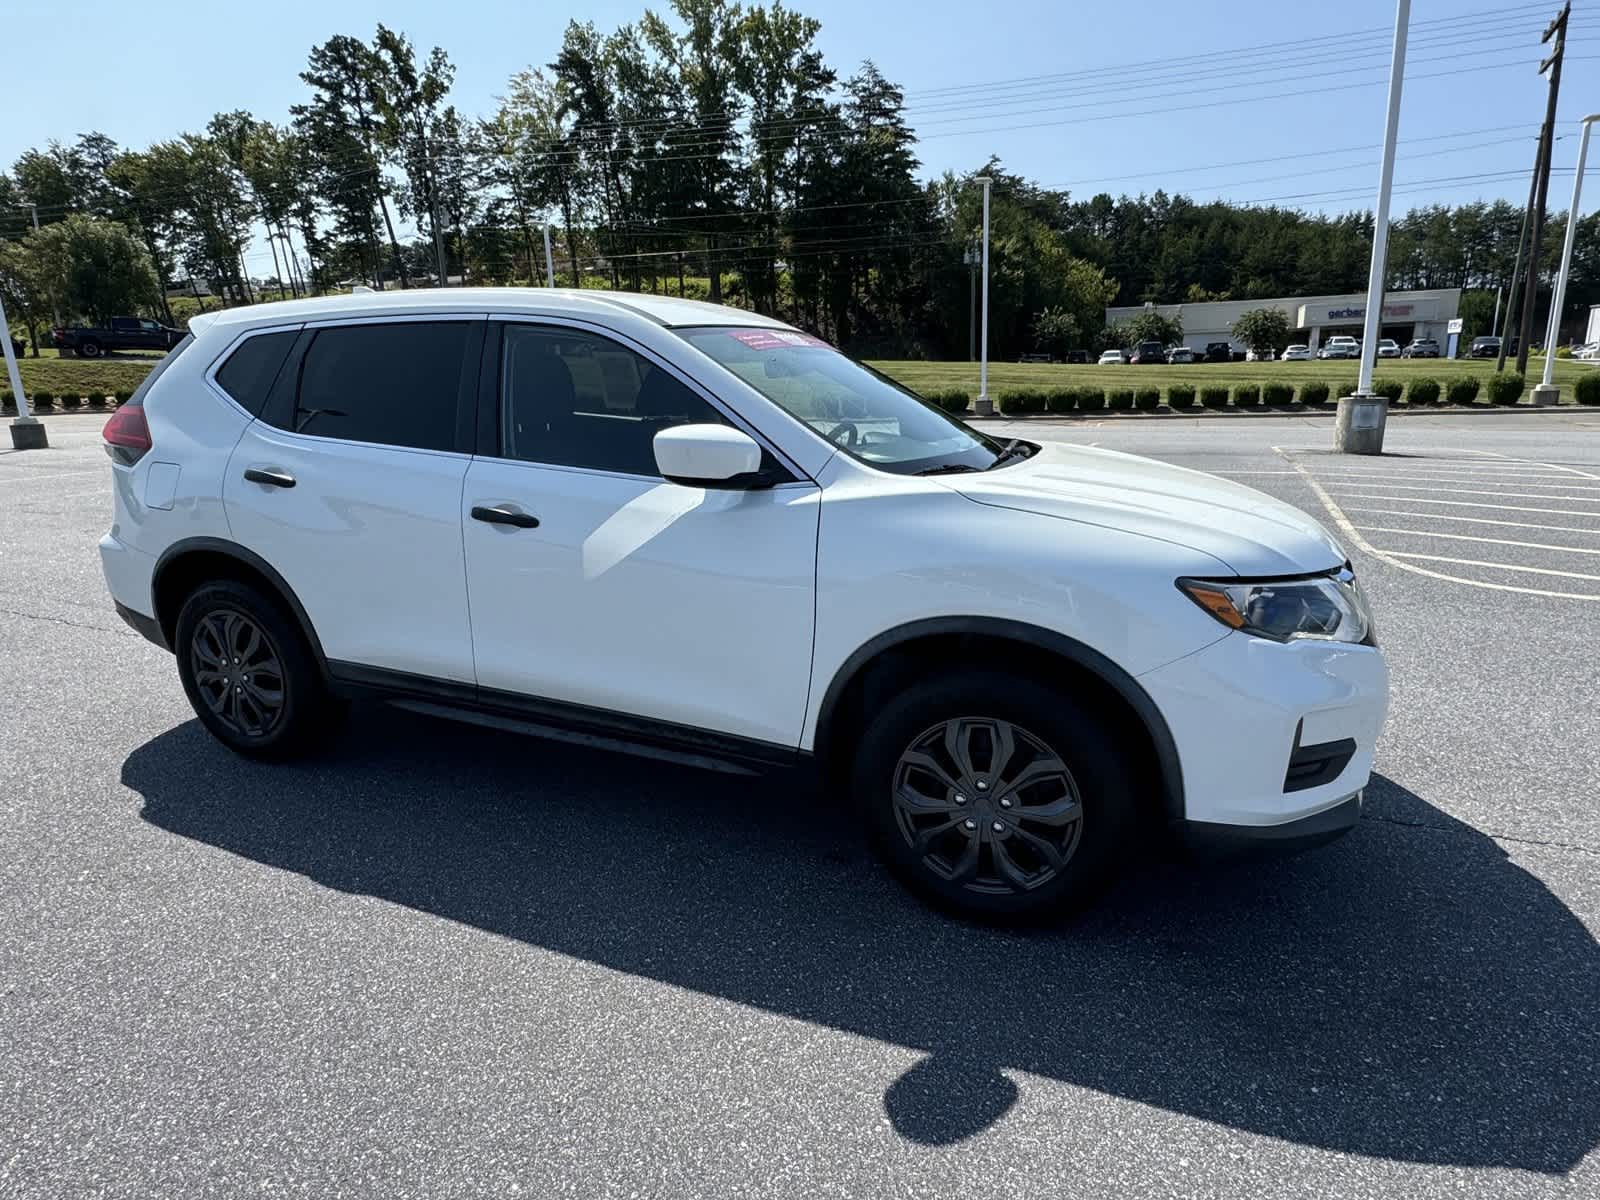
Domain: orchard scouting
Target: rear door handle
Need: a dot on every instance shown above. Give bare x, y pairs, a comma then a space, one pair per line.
269, 476
504, 514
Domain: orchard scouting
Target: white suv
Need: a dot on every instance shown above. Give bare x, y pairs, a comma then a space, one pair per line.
701, 533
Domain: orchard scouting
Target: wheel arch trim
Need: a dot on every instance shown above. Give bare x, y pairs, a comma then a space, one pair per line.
247, 558
1024, 634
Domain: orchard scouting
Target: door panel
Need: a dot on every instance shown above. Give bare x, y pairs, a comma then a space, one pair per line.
369, 538
687, 605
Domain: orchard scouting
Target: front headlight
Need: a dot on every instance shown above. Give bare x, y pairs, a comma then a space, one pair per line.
1327, 608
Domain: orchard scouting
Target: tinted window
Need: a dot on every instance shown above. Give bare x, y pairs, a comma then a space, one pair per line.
248, 374
578, 400
391, 384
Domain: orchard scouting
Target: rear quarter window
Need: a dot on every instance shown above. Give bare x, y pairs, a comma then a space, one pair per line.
250, 369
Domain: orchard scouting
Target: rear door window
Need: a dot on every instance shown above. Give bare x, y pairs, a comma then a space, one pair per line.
397, 383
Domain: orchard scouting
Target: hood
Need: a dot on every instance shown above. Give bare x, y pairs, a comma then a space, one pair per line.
1249, 531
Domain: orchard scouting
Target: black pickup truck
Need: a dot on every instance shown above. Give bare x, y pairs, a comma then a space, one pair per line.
120, 333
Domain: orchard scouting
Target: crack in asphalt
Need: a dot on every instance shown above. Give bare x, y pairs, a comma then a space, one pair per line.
1489, 833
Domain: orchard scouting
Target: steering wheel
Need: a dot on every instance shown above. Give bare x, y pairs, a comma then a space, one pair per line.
849, 429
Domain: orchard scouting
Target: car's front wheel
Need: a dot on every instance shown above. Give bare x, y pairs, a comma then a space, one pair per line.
995, 796
249, 673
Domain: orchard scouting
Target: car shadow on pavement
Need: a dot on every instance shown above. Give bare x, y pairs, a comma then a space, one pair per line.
1406, 993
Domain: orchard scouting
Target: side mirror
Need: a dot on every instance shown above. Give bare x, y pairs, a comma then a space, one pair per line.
710, 456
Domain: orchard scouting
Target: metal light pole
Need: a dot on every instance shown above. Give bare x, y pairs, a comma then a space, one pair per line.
27, 431
1547, 392
549, 263
984, 406
969, 258
1361, 419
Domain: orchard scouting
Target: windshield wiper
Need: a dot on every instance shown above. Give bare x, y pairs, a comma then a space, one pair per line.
1014, 449
947, 469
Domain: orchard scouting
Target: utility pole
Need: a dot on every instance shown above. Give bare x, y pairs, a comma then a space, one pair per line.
550, 263
1522, 247
55, 305
1530, 293
970, 257
438, 247
983, 406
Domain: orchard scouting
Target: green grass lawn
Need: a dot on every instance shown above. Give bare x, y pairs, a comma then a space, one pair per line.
76, 376
1340, 376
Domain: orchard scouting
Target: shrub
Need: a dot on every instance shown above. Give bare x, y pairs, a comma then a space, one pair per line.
8, 401
1247, 395
1313, 393
1015, 401
1462, 390
42, 401
1091, 399
1147, 398
1389, 389
122, 396
1061, 400
952, 400
97, 399
1505, 387
70, 402
1120, 399
1423, 392
1214, 397
1181, 395
1587, 389
1278, 395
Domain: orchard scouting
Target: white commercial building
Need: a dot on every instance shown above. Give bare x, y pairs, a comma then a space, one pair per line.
1593, 334
1312, 319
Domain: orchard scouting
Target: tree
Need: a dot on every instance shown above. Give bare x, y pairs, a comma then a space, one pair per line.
1262, 329
1055, 331
1151, 326
415, 130
26, 289
97, 268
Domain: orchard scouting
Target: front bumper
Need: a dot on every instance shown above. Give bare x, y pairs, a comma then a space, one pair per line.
1262, 732
1212, 838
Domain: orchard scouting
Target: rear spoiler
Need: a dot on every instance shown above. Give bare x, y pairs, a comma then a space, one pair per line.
200, 322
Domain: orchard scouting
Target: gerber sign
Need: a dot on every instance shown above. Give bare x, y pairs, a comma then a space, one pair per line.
1311, 315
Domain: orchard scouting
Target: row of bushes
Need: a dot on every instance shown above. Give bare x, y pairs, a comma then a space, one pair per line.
1504, 389
43, 401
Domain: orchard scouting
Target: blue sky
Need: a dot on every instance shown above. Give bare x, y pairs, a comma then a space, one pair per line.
1186, 96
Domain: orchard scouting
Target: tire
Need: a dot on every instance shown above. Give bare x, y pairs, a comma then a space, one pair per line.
280, 706
89, 349
911, 786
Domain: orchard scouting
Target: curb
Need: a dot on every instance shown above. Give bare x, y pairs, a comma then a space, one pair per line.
1165, 414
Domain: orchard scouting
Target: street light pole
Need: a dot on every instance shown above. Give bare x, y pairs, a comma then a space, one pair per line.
27, 431
1359, 429
983, 406
1547, 392
549, 263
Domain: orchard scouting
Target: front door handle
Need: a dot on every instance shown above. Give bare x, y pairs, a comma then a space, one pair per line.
269, 476
504, 514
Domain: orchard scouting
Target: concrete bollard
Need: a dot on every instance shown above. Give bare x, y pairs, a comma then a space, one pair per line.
1360, 423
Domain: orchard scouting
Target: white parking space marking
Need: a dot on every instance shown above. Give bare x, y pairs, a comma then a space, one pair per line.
1400, 561
1523, 481
1562, 467
1407, 512
1499, 566
1468, 537
1567, 512
1463, 491
24, 477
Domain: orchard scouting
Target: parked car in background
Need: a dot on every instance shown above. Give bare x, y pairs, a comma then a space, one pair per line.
1180, 354
1218, 352
702, 534
1589, 353
1036, 358
1112, 357
1148, 352
1077, 356
1484, 347
1295, 353
1340, 347
1260, 356
1388, 348
119, 333
1419, 348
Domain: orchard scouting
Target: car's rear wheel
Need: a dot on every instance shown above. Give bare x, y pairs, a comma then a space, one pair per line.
995, 796
89, 349
249, 673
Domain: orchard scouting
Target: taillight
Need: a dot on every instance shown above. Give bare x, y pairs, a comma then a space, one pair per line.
127, 435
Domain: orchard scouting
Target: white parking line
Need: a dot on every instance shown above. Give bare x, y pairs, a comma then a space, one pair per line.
1361, 543
1567, 512
1411, 487
1523, 481
1495, 454
1499, 566
1432, 516
24, 478
1468, 537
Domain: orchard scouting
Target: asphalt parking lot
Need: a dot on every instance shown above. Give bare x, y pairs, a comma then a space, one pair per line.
446, 961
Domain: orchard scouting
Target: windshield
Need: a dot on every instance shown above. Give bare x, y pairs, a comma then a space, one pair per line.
865, 414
